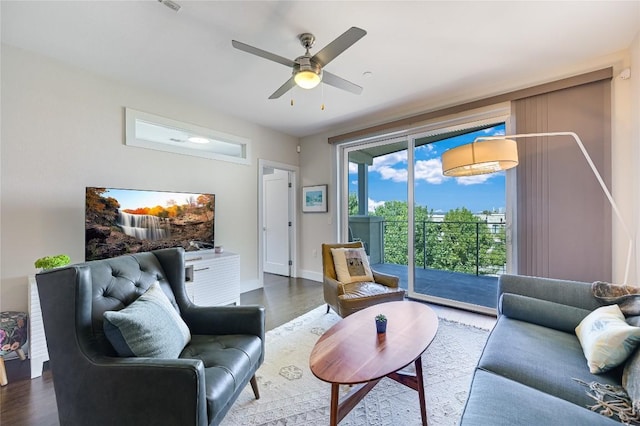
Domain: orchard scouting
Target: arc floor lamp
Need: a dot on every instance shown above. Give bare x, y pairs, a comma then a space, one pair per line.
490, 154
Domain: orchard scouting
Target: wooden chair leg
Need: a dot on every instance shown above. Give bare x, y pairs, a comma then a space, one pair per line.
254, 386
21, 354
3, 373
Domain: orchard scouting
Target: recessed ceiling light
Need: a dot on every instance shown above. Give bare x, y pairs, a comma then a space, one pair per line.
367, 74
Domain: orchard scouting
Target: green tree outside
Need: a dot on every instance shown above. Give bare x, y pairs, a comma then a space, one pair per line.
461, 243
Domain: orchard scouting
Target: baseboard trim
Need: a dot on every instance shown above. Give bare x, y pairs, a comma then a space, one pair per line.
311, 275
250, 285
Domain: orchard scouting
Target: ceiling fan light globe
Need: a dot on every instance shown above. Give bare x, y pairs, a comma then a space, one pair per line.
307, 79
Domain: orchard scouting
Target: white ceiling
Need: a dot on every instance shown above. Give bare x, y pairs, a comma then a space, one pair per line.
422, 54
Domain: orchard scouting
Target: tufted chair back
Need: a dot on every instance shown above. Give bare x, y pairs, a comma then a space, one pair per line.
116, 283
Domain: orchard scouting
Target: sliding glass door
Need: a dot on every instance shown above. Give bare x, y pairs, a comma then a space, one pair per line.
377, 187
444, 237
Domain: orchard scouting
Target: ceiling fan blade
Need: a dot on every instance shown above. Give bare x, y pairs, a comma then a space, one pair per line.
339, 45
262, 53
283, 89
340, 83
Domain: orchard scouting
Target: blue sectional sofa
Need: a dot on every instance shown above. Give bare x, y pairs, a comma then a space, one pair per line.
526, 373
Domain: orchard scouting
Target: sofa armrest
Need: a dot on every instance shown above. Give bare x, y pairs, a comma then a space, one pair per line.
221, 320
570, 293
386, 280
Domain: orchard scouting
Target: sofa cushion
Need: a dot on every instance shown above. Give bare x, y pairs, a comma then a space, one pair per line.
541, 358
351, 265
148, 327
229, 361
606, 339
542, 312
498, 401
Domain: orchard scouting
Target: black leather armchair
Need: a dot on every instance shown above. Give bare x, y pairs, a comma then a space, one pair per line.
94, 386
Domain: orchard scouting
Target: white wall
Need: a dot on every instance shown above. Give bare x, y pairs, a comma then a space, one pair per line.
316, 160
63, 130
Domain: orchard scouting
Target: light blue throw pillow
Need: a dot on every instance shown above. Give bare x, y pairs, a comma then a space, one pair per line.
149, 327
606, 339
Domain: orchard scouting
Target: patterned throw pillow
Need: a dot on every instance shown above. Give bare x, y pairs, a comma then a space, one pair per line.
149, 327
606, 339
351, 265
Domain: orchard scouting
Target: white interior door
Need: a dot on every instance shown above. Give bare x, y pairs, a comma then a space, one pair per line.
276, 222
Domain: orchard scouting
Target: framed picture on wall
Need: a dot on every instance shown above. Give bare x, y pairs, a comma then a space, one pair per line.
314, 199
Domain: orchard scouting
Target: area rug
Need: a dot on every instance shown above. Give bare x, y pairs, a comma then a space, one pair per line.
292, 395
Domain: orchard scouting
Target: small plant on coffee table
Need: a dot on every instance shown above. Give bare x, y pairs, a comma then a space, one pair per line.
381, 323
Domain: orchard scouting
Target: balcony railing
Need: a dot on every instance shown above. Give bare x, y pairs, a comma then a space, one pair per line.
471, 247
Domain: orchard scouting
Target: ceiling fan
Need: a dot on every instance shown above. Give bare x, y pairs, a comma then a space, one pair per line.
308, 70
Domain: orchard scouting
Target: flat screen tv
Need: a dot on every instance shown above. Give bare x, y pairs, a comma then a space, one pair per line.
121, 221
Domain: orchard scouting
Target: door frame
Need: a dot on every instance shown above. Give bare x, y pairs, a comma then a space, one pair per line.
293, 215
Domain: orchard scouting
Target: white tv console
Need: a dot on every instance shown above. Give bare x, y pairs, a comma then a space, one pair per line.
211, 279
38, 351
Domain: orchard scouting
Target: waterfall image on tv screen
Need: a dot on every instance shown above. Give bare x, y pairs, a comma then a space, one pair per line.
121, 221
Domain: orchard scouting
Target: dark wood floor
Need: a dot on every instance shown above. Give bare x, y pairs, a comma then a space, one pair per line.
25, 402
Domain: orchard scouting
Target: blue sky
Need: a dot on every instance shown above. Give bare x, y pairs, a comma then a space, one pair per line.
133, 199
388, 179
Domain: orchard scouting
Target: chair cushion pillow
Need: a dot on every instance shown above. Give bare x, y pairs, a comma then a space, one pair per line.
606, 338
148, 327
352, 265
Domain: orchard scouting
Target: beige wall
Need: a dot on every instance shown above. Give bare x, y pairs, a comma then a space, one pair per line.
317, 158
62, 130
316, 168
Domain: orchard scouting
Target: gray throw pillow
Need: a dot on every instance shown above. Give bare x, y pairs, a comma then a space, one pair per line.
149, 327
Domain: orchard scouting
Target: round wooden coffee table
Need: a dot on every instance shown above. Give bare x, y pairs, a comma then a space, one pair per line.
352, 352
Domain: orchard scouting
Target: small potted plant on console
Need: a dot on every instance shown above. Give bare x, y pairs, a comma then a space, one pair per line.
381, 323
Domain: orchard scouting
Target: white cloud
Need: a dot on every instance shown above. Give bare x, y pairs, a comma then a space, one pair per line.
473, 180
353, 168
430, 171
373, 204
427, 147
383, 164
394, 175
493, 131
389, 160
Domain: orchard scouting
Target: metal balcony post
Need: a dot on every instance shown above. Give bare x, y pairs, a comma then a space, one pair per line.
424, 244
477, 248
